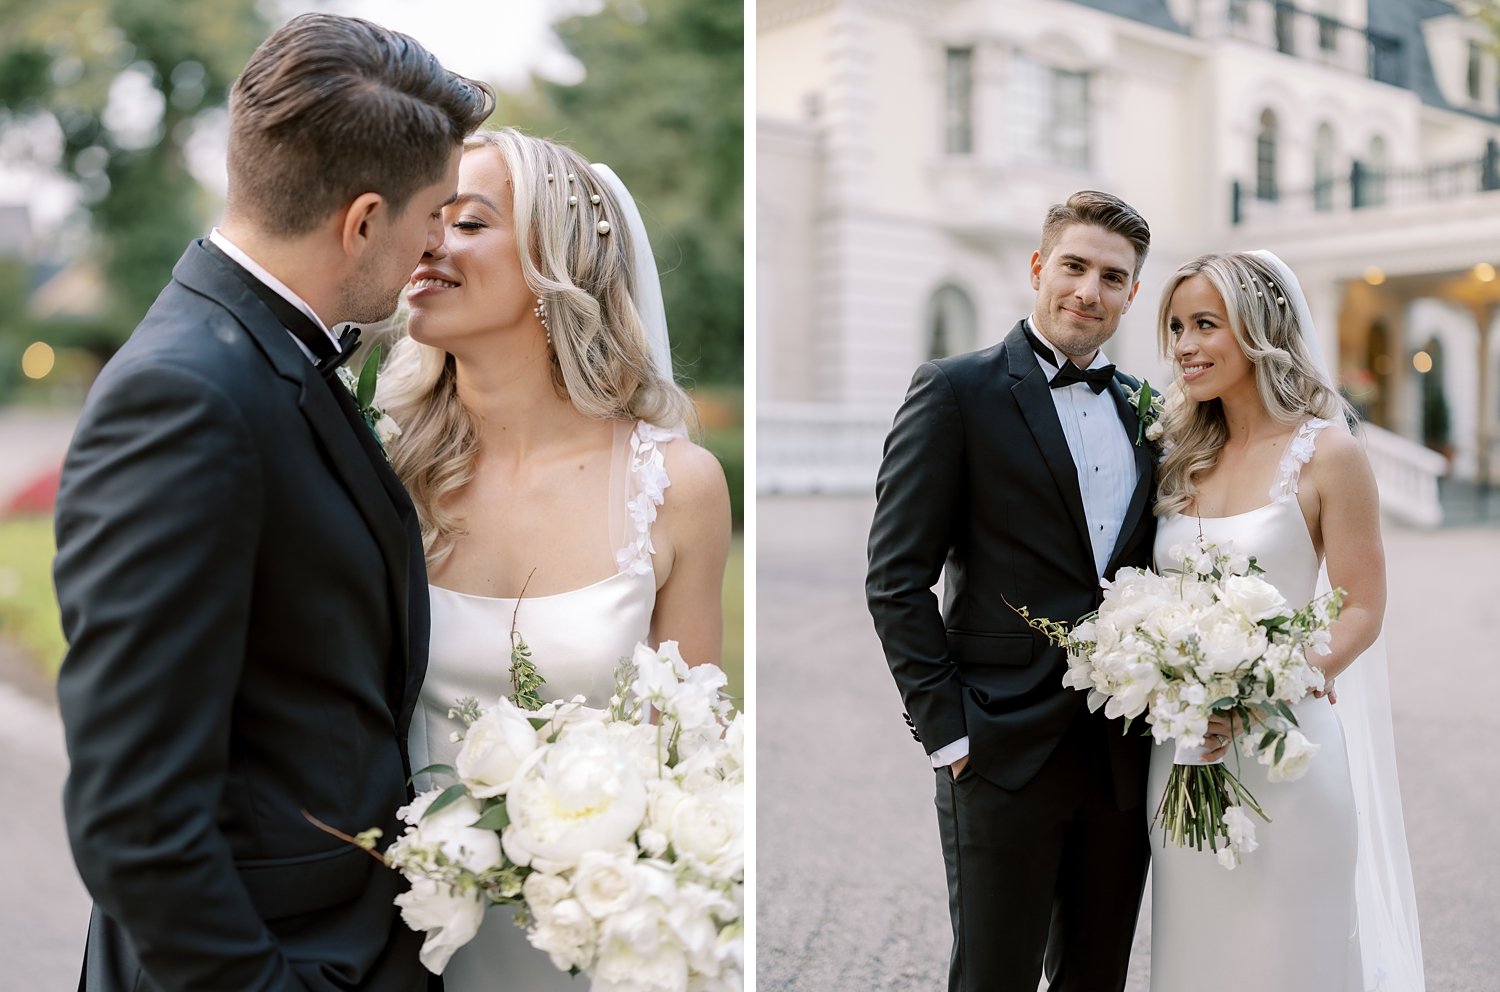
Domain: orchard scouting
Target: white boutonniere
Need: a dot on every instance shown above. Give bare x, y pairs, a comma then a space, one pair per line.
1148, 406
362, 388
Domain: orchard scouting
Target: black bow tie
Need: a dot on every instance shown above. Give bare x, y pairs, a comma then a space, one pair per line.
1096, 378
1068, 373
348, 344
327, 357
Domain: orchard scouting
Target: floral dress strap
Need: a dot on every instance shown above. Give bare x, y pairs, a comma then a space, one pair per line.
647, 486
1299, 452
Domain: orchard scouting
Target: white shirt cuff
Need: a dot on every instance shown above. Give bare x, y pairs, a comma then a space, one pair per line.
948, 754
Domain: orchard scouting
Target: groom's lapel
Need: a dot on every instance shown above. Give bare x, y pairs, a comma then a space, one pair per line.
1144, 470
338, 428
1034, 397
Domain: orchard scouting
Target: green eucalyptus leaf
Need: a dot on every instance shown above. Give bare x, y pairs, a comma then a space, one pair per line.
365, 393
495, 818
450, 796
433, 769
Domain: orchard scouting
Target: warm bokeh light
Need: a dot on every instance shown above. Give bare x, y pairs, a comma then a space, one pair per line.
37, 360
1422, 362
1374, 276
1484, 272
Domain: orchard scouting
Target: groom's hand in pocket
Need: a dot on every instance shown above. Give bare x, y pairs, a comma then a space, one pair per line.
957, 768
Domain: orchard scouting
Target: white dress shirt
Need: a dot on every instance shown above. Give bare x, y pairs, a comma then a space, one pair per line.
258, 271
1103, 456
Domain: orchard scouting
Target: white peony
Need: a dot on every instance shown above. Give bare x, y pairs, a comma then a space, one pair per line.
494, 748
582, 793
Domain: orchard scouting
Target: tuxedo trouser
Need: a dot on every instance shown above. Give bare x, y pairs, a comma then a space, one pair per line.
1049, 874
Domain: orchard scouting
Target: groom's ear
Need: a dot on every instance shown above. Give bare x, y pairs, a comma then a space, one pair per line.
1135, 287
357, 226
1036, 270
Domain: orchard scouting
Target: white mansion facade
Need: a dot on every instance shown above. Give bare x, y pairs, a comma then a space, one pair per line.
908, 149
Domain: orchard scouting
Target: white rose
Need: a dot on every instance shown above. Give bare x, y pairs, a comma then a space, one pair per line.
707, 829
449, 918
579, 794
607, 882
494, 748
544, 891
386, 429
1253, 598
1295, 758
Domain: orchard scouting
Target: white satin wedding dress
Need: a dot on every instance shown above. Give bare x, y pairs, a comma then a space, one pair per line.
577, 639
1285, 919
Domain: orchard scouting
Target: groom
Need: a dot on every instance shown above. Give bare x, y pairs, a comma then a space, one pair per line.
1015, 471
240, 573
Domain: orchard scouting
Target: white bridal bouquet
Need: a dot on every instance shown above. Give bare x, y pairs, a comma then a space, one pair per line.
1205, 636
621, 830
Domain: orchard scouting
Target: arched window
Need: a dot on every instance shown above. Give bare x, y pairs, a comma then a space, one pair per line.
951, 324
1323, 169
1265, 158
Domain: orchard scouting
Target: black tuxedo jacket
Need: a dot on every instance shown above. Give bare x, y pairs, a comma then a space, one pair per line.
244, 597
978, 479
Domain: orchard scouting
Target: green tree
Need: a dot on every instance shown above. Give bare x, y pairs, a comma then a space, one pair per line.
663, 104
167, 64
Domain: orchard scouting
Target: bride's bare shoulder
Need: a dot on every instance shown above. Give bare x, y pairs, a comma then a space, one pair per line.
697, 478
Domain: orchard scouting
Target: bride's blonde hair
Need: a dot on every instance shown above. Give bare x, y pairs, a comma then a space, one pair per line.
599, 352
1263, 318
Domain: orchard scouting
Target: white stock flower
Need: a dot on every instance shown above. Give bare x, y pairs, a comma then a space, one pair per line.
449, 830
1155, 431
657, 673
494, 748
1253, 598
566, 933
449, 919
579, 794
1240, 828
1296, 756
561, 714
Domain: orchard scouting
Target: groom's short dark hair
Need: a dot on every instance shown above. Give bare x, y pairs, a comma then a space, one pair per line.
331, 107
1089, 206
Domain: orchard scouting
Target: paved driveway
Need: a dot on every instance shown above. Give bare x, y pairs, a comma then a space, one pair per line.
850, 892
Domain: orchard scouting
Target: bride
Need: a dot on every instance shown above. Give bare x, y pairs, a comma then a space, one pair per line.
1258, 453
542, 443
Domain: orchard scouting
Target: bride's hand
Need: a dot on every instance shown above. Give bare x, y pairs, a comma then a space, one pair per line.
1219, 736
1329, 691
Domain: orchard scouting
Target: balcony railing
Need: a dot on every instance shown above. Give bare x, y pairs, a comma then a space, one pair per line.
1305, 34
1363, 187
